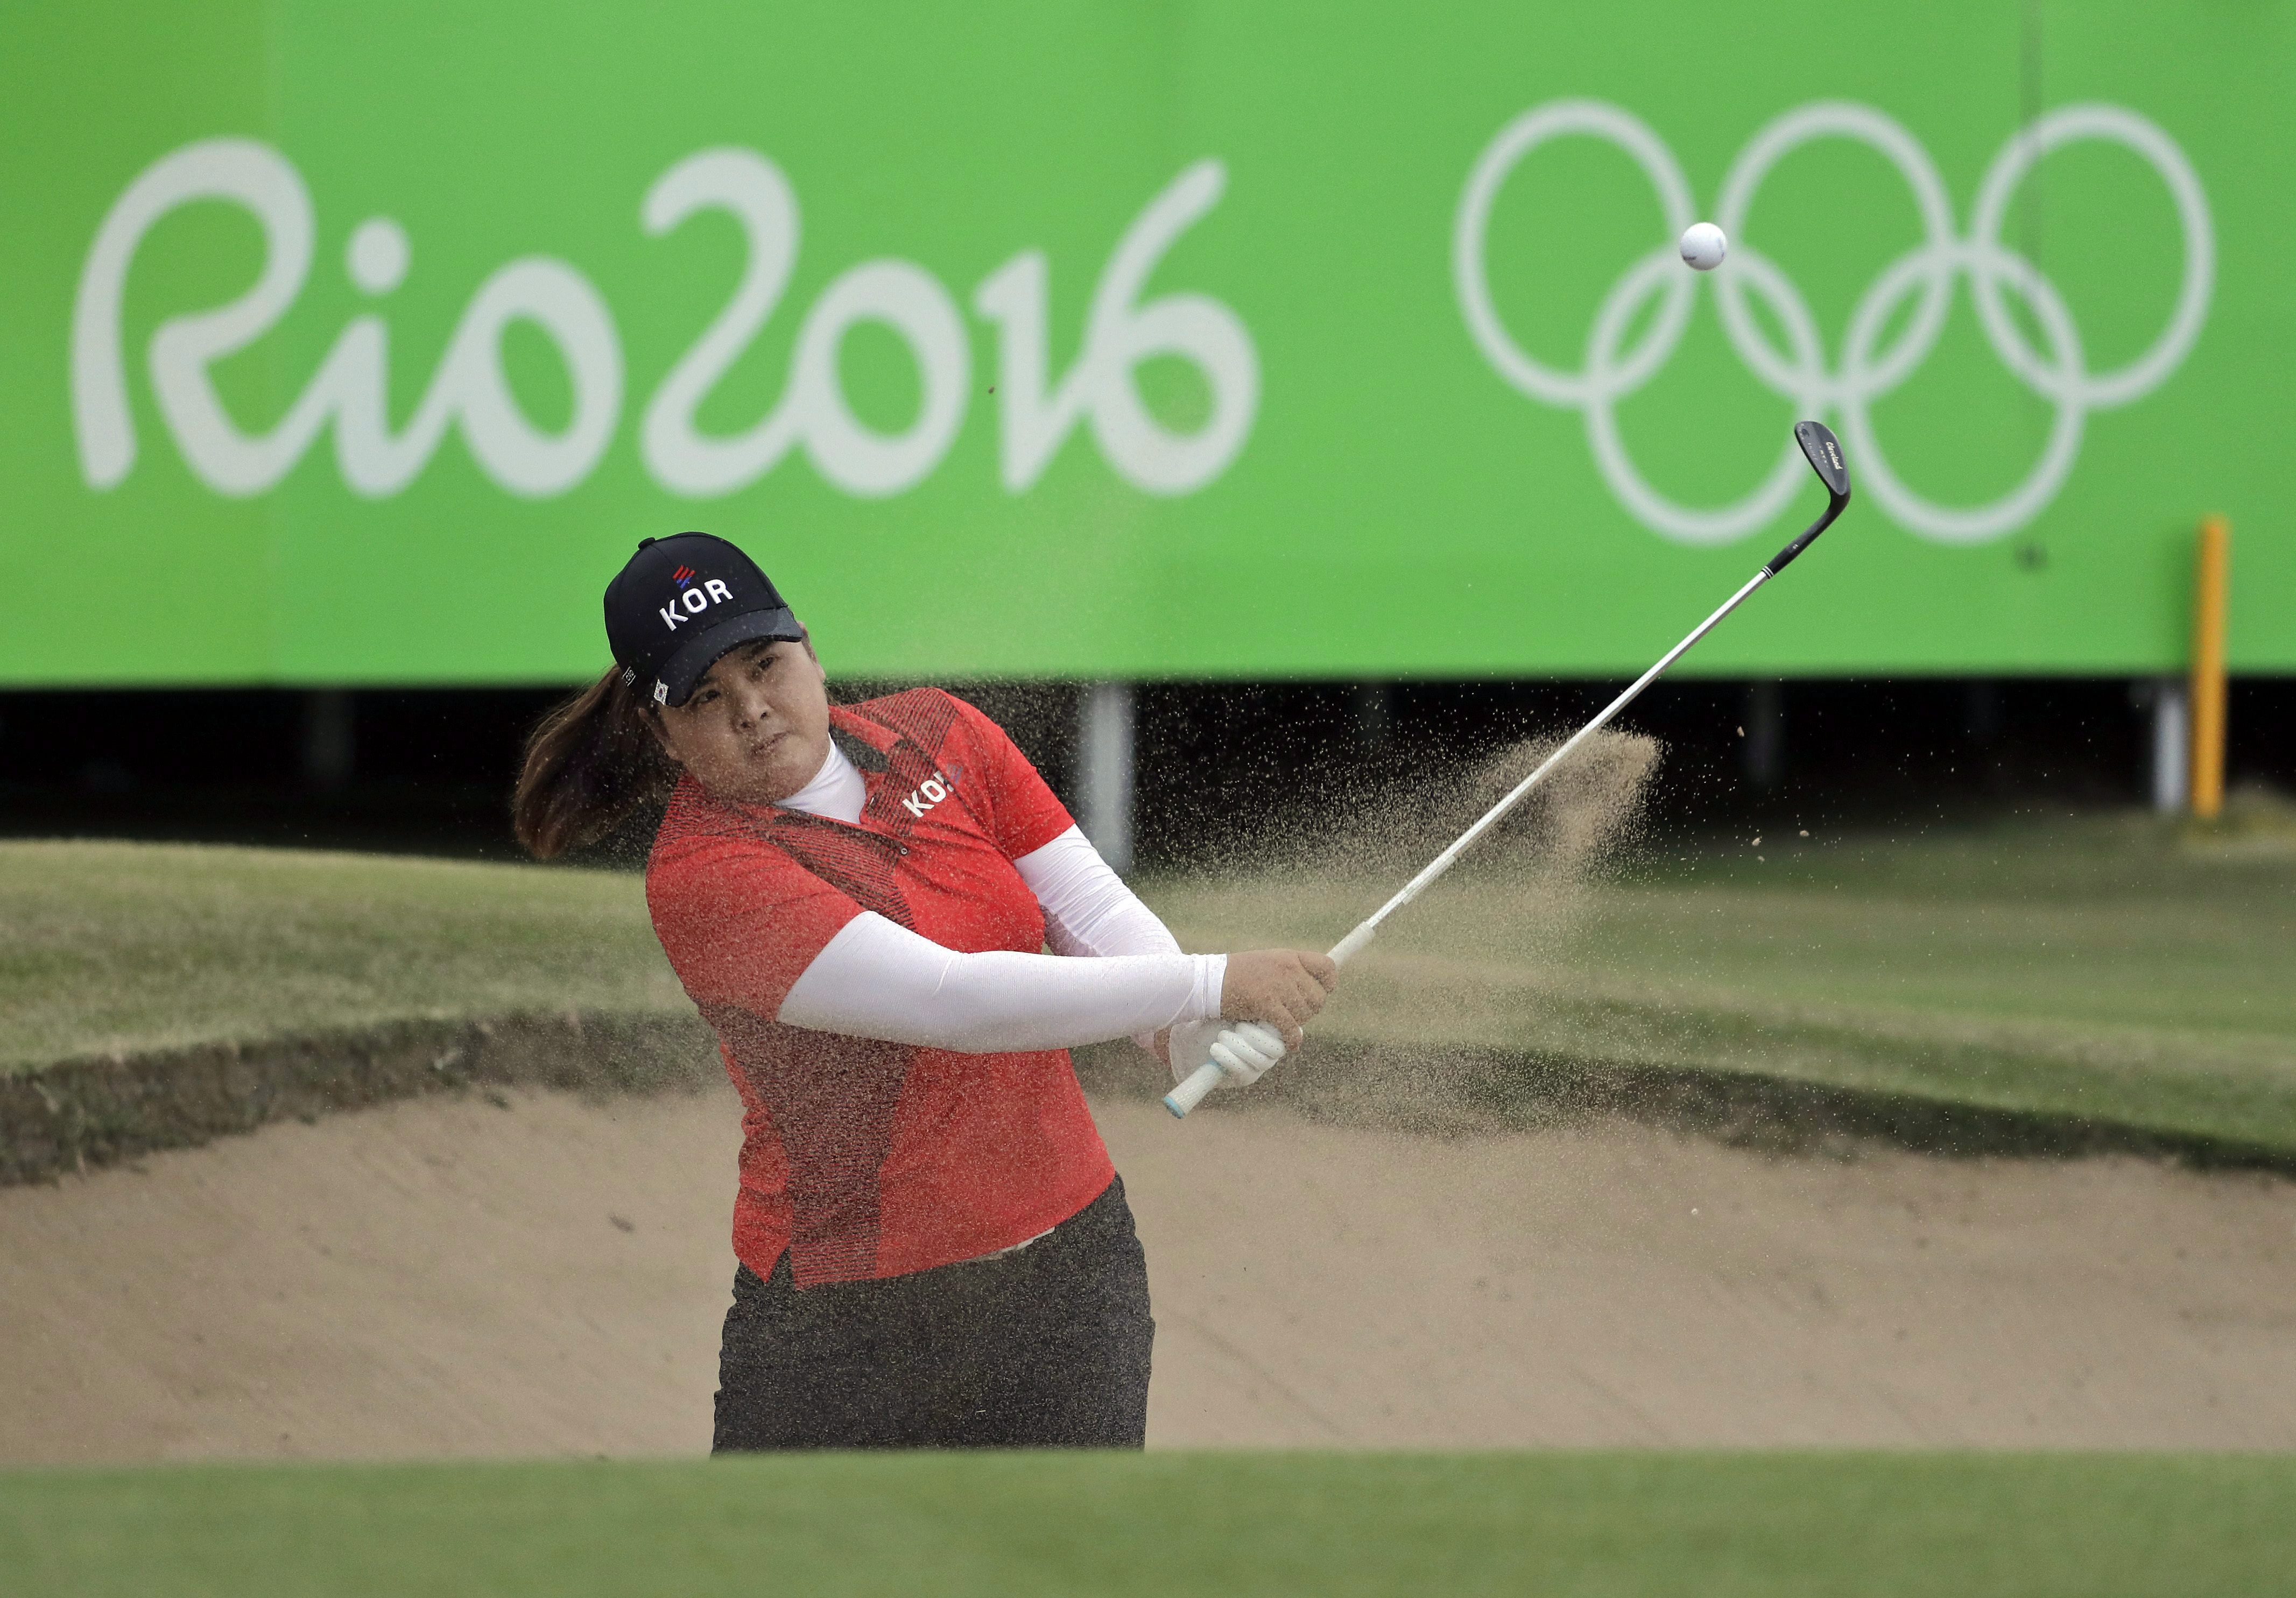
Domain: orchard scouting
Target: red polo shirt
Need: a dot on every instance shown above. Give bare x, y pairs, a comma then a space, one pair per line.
865, 1158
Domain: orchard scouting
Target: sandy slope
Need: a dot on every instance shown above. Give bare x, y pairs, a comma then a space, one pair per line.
448, 1277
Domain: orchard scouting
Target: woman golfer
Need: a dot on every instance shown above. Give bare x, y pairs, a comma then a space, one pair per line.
935, 1250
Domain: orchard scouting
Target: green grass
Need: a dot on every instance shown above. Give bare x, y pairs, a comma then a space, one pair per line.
2106, 967
123, 948
1016, 1525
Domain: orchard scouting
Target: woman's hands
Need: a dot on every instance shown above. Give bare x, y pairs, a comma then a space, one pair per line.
1267, 998
1244, 1050
1282, 988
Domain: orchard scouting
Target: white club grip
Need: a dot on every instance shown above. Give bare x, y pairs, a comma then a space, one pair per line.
1354, 943
1190, 1092
1206, 1076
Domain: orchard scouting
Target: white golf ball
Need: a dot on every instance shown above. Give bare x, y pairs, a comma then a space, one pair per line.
1703, 246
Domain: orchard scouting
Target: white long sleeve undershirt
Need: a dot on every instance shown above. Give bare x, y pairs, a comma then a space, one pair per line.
1087, 908
876, 978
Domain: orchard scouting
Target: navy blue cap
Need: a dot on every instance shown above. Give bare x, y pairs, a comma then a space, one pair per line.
683, 601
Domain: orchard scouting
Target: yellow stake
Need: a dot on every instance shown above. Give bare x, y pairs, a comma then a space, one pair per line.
2211, 562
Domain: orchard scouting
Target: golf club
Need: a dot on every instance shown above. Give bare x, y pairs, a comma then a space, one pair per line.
1823, 452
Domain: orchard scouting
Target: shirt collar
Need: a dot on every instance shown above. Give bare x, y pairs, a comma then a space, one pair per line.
865, 742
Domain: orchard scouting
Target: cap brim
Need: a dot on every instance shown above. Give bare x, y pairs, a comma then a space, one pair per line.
700, 652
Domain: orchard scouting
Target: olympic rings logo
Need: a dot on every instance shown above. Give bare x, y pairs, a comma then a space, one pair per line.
1867, 368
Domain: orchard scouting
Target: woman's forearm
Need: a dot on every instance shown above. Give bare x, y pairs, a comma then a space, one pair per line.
877, 979
1087, 908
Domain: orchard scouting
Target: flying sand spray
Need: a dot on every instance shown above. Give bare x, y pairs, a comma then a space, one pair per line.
1823, 452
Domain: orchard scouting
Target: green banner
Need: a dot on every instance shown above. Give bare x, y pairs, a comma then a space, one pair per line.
357, 344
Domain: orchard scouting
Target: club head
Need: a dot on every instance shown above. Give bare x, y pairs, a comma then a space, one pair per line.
1823, 451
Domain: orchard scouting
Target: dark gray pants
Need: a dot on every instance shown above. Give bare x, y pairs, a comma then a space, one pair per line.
1045, 1348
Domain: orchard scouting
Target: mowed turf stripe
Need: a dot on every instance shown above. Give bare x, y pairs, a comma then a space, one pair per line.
2107, 973
122, 950
1022, 1524
2078, 984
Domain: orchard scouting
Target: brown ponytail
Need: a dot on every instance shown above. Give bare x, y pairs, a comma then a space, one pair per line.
590, 764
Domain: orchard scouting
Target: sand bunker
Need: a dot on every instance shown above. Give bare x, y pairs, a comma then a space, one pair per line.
448, 1277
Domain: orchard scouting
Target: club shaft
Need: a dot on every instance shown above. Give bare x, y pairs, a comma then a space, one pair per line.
1442, 863
1822, 450
1190, 1092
